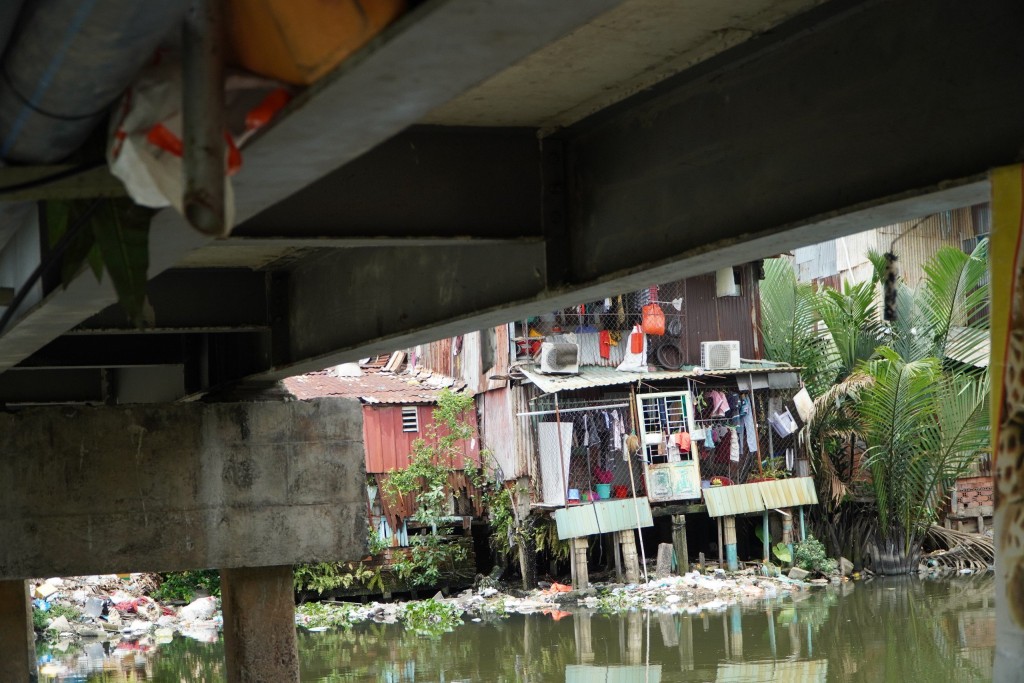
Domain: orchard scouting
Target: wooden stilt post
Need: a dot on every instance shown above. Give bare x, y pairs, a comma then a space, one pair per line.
679, 543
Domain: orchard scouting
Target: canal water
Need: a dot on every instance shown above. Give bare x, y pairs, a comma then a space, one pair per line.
902, 629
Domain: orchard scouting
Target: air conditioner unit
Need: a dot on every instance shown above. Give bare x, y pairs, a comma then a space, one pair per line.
720, 355
559, 358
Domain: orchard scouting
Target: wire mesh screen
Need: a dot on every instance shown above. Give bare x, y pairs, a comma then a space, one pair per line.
584, 451
734, 434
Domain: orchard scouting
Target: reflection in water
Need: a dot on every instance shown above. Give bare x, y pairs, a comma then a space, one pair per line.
886, 630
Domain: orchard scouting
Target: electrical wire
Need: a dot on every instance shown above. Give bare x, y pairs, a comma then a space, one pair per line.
52, 258
52, 178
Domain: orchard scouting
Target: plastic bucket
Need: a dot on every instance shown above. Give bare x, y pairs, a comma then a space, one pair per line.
621, 491
604, 491
574, 496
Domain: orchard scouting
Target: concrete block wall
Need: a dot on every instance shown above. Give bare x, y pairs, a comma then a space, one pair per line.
180, 486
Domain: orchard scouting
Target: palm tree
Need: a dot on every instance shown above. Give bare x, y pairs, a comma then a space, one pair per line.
906, 388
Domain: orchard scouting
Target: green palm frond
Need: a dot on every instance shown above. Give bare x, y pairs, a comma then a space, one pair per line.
790, 325
953, 299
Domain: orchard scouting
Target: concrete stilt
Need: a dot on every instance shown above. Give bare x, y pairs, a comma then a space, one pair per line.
629, 557
584, 638
679, 543
17, 641
259, 625
579, 555
731, 559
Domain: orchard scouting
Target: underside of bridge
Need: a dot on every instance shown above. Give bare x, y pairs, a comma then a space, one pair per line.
487, 159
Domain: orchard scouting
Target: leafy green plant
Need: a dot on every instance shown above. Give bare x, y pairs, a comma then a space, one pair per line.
183, 585
430, 558
810, 555
781, 552
320, 615
375, 545
430, 617
327, 576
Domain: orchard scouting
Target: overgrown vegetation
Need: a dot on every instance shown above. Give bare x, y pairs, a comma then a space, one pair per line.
324, 577
41, 619
430, 617
426, 480
810, 554
183, 585
903, 392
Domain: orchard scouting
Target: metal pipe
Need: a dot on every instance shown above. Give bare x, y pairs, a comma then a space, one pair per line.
766, 541
202, 63
65, 65
803, 531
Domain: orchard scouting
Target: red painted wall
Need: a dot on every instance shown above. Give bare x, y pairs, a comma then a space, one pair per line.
388, 447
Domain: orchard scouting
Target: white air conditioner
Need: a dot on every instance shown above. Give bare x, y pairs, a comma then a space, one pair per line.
559, 358
720, 355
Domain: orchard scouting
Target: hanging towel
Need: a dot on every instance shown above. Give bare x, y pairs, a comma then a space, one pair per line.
748, 425
719, 403
604, 342
709, 441
734, 445
618, 429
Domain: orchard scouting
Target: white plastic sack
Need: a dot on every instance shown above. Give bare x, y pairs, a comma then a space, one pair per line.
634, 362
144, 146
199, 610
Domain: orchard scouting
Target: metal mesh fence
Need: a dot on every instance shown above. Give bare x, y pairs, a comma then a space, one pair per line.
727, 447
587, 447
593, 439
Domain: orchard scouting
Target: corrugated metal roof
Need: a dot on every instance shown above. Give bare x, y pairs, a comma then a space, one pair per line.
760, 496
602, 517
372, 386
595, 376
733, 500
785, 493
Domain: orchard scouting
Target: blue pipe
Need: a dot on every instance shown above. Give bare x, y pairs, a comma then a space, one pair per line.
67, 63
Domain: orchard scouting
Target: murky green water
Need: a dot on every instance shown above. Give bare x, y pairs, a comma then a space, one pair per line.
885, 630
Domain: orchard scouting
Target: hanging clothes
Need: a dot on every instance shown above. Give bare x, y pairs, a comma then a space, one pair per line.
748, 425
604, 342
734, 445
719, 404
618, 429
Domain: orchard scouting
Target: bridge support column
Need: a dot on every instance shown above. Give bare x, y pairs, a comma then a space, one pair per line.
259, 625
17, 641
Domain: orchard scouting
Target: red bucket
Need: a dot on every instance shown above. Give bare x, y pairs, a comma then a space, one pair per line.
620, 491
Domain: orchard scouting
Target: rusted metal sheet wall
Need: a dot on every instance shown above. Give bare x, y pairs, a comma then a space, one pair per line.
388, 447
498, 430
467, 363
712, 318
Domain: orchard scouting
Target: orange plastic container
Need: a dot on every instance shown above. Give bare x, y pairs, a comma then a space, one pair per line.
298, 41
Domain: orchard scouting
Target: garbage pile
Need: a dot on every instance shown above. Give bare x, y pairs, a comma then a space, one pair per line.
108, 607
693, 592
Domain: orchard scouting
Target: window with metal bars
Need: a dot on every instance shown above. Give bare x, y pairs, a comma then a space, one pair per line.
410, 419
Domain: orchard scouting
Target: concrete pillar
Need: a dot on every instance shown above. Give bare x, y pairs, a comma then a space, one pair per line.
17, 640
581, 576
259, 625
629, 557
731, 559
679, 543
